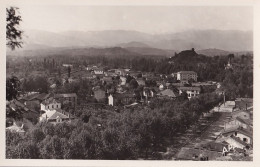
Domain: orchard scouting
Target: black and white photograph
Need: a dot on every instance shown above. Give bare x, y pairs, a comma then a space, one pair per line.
129, 82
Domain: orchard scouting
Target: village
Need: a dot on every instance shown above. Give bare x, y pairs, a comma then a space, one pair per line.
225, 132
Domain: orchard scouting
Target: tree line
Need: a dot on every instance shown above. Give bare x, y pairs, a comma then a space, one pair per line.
130, 134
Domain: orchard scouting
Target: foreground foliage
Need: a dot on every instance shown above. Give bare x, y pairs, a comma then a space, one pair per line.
130, 134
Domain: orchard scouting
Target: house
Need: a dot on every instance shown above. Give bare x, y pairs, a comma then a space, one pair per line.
67, 65
174, 75
69, 80
110, 72
240, 133
161, 86
35, 97
98, 71
228, 66
184, 76
123, 80
50, 104
218, 85
43, 96
124, 98
16, 128
29, 97
33, 105
148, 93
53, 86
67, 98
227, 106
87, 75
244, 103
241, 114
191, 91
120, 89
220, 91
222, 147
235, 142
15, 107
56, 116
240, 122
107, 80
99, 94
121, 72
168, 93
177, 84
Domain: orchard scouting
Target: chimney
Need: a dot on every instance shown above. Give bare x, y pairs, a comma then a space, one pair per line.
192, 49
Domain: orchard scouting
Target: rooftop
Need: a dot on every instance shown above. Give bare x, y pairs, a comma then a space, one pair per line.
168, 92
53, 114
189, 88
50, 101
245, 121
187, 72
65, 95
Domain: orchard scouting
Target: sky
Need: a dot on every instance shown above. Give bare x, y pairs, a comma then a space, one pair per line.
149, 19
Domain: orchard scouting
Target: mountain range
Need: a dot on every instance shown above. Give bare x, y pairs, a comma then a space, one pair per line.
207, 42
229, 40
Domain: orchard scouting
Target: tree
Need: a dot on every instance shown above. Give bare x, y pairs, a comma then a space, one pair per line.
230, 56
12, 88
139, 75
13, 34
69, 70
133, 84
190, 81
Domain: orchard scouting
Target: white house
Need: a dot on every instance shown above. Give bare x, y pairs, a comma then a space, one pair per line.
16, 128
186, 75
123, 80
67, 65
50, 104
98, 71
241, 134
55, 116
191, 91
161, 87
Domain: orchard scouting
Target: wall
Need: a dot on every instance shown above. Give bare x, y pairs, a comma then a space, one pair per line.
234, 143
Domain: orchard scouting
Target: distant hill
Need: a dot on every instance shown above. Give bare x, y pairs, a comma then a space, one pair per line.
151, 51
219, 52
188, 57
228, 40
111, 52
213, 52
133, 45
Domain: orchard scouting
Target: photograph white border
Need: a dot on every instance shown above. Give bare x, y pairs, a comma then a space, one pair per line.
22, 162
